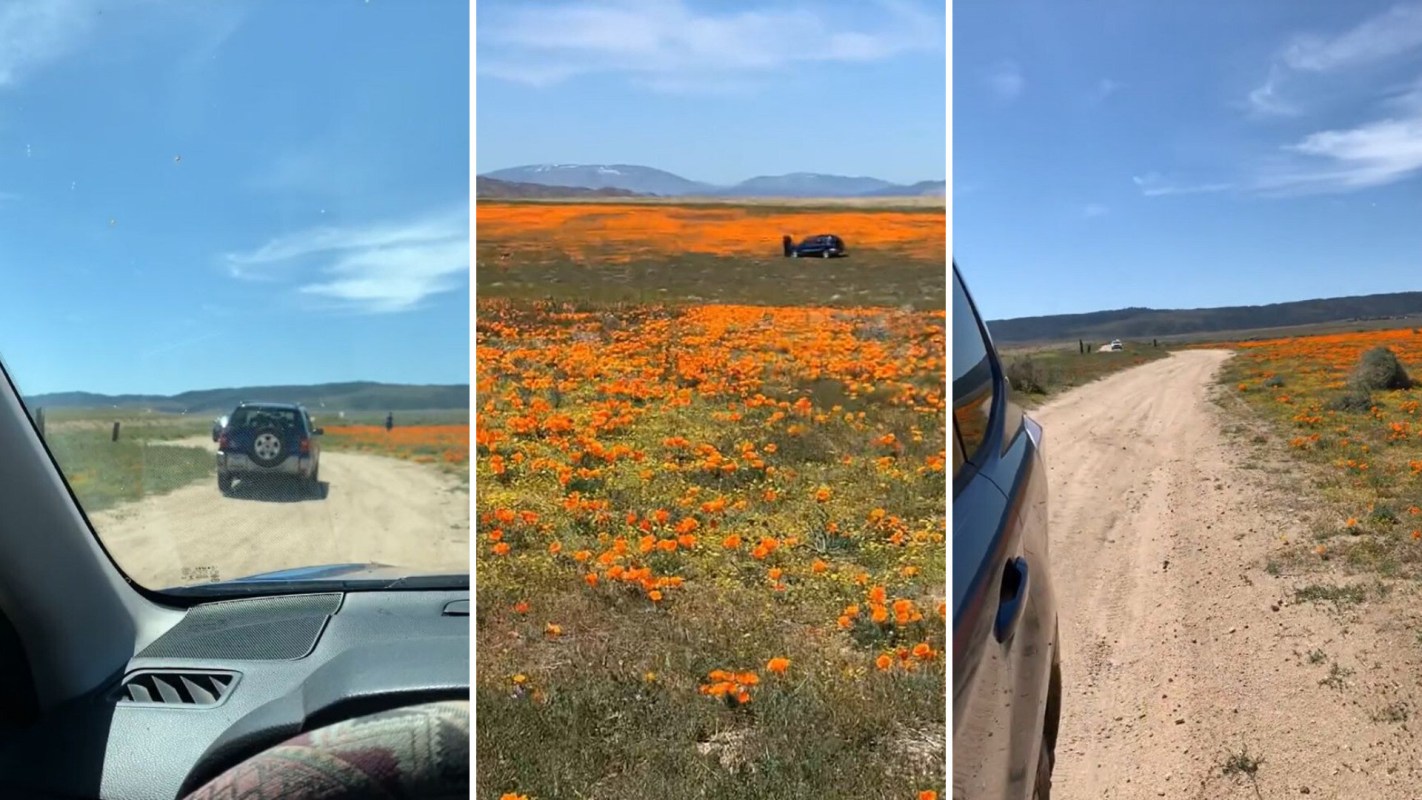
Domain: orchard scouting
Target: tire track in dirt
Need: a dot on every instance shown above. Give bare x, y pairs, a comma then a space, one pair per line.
373, 509
1178, 649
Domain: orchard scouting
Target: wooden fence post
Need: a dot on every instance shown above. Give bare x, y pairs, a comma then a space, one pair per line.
116, 432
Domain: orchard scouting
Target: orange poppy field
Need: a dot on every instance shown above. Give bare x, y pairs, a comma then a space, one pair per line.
612, 232
704, 530
443, 445
607, 254
1367, 458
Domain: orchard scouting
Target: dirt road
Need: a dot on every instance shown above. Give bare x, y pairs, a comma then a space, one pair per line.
1184, 659
371, 509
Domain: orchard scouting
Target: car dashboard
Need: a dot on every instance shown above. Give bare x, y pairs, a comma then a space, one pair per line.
234, 678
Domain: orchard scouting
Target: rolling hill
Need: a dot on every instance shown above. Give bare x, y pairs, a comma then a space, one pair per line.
807, 184
495, 189
920, 189
355, 396
629, 177
1137, 323
646, 180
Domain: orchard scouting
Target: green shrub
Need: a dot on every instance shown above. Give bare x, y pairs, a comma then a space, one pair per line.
1026, 376
1378, 370
1353, 400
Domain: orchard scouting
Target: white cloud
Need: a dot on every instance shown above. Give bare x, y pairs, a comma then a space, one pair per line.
37, 33
673, 46
1394, 32
1265, 99
34, 33
379, 268
1153, 185
1374, 154
1094, 210
1362, 61
1390, 36
1105, 88
1006, 81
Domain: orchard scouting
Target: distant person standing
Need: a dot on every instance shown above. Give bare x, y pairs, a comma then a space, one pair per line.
788, 244
389, 421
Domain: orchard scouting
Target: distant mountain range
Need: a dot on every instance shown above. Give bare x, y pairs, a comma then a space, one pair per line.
496, 189
355, 396
1138, 323
647, 180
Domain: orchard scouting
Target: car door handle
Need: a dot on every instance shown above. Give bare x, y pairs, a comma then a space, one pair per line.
1015, 581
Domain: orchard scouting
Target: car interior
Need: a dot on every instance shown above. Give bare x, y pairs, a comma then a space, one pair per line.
307, 688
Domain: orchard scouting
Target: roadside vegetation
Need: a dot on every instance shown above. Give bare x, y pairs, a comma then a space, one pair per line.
710, 537
444, 446
1347, 408
104, 473
1038, 374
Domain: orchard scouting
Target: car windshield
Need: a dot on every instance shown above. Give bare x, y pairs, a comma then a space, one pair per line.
235, 245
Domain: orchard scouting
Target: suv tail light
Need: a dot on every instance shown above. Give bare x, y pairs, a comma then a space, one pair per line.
305, 446
222, 441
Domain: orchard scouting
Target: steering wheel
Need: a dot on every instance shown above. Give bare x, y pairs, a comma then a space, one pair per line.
415, 753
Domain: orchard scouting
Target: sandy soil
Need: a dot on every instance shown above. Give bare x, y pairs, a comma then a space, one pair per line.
1179, 649
372, 509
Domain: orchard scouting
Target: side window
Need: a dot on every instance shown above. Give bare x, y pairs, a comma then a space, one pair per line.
972, 375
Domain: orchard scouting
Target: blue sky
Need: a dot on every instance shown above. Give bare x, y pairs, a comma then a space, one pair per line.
1172, 155
717, 90
198, 195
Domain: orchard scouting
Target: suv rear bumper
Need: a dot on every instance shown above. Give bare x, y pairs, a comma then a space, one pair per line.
242, 464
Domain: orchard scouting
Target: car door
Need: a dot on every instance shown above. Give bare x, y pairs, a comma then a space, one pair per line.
1003, 612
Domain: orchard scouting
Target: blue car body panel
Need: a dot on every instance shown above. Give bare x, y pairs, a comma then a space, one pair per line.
1005, 701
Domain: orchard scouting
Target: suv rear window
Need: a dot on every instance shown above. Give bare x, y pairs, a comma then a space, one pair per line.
263, 417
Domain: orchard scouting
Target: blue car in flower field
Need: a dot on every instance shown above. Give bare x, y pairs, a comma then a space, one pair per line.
825, 245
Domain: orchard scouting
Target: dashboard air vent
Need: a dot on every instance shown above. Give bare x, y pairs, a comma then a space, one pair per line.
176, 688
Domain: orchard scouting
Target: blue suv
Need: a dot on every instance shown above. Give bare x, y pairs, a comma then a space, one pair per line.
1007, 684
269, 439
